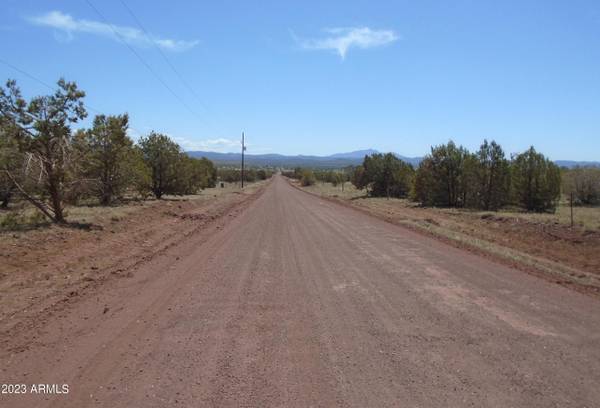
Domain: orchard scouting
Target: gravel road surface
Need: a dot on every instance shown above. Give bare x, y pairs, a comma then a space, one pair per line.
300, 302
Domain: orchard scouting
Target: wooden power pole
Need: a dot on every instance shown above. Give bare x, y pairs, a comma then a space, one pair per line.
572, 223
243, 149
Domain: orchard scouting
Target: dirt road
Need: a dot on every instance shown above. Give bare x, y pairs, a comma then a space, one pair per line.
301, 302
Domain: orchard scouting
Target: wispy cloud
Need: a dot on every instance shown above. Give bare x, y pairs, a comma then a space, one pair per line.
69, 25
341, 39
221, 145
134, 134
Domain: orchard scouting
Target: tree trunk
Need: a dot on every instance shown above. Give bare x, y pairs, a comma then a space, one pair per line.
106, 198
107, 191
56, 204
38, 204
5, 197
55, 191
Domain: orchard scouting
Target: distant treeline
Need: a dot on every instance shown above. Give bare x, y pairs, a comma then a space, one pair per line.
451, 176
234, 175
45, 162
309, 177
583, 183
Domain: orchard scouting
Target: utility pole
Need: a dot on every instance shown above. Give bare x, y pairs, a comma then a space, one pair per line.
243, 149
572, 209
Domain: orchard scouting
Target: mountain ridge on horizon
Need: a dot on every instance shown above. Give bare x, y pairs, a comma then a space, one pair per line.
336, 160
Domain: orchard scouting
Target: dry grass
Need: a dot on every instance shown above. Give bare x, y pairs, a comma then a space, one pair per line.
586, 217
327, 189
25, 217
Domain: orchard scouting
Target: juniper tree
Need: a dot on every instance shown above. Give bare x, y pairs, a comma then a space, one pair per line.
493, 174
535, 181
43, 128
161, 155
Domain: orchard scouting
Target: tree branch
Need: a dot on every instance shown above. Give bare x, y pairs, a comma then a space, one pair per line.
38, 204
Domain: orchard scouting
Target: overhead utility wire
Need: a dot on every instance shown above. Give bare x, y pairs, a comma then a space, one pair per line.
139, 57
39, 81
164, 56
52, 88
170, 64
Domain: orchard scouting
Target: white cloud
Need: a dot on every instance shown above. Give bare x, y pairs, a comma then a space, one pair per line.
69, 25
133, 134
341, 39
221, 145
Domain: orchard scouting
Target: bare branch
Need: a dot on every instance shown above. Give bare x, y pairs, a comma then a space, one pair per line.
37, 203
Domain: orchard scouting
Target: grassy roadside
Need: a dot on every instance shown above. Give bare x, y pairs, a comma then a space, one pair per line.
541, 244
22, 217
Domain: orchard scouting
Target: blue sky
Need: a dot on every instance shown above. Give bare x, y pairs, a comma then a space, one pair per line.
323, 77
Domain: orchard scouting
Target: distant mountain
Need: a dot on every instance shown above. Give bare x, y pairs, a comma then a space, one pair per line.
334, 161
411, 160
277, 160
357, 154
571, 163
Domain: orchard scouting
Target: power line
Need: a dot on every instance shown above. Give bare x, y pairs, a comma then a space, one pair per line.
53, 88
142, 60
169, 63
39, 81
183, 81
